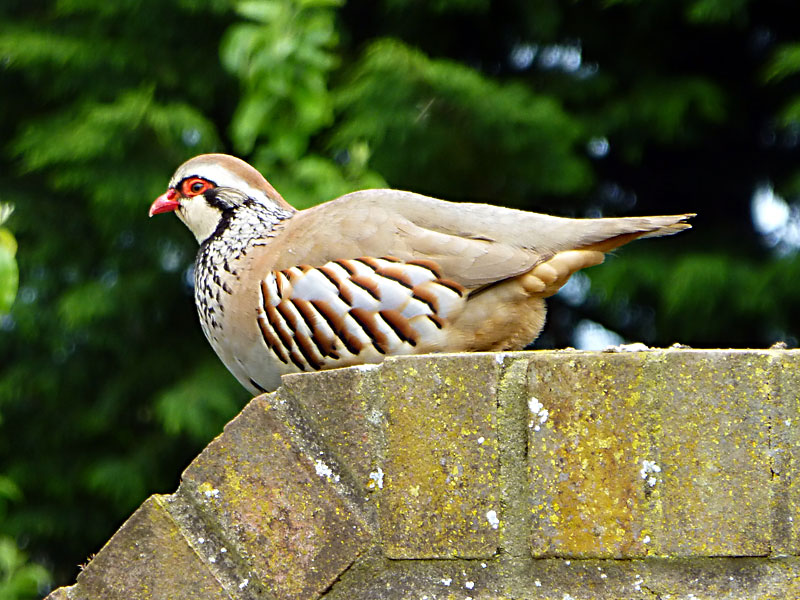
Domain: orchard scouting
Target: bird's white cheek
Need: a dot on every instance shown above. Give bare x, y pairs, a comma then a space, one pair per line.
201, 218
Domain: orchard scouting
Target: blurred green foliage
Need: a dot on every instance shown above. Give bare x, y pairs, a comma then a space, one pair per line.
443, 113
18, 577
107, 388
9, 273
282, 53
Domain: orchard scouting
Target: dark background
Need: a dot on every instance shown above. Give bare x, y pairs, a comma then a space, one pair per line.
584, 108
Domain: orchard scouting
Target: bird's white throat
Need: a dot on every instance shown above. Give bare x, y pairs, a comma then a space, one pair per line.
200, 217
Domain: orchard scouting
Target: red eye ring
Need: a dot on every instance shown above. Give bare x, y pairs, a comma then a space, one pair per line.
194, 186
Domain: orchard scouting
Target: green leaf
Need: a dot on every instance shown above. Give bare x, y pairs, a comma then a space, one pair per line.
117, 478
200, 403
9, 272
19, 579
8, 489
717, 11
25, 47
784, 63
85, 304
282, 58
789, 114
88, 131
666, 110
9, 276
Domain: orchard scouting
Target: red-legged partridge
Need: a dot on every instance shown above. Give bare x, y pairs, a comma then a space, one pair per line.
373, 273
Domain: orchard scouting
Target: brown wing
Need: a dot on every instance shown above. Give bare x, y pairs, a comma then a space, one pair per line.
473, 244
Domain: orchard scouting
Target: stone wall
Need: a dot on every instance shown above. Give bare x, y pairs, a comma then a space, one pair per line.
549, 475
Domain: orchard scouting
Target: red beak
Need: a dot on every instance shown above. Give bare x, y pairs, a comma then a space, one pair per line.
166, 202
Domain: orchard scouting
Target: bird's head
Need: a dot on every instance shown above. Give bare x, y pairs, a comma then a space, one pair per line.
208, 187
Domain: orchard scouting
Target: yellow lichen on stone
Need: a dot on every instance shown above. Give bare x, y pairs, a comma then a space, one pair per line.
441, 459
715, 490
593, 494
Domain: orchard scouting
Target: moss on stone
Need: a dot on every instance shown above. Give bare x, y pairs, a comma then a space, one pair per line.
440, 497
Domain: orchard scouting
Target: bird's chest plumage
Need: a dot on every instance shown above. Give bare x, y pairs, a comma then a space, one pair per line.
225, 295
214, 281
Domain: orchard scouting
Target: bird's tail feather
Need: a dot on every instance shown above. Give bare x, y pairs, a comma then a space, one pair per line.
630, 228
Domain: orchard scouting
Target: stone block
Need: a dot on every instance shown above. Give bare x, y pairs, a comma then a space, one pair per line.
277, 506
344, 411
148, 558
709, 418
664, 452
378, 578
441, 467
784, 409
586, 440
686, 579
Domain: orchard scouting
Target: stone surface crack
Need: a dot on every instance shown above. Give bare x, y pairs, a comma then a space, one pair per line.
771, 454
344, 571
651, 593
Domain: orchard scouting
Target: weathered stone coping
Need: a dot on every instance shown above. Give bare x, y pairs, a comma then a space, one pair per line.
557, 474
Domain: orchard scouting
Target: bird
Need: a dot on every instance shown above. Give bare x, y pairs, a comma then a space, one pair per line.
373, 273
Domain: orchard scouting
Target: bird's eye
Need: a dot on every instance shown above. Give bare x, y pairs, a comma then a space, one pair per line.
195, 186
